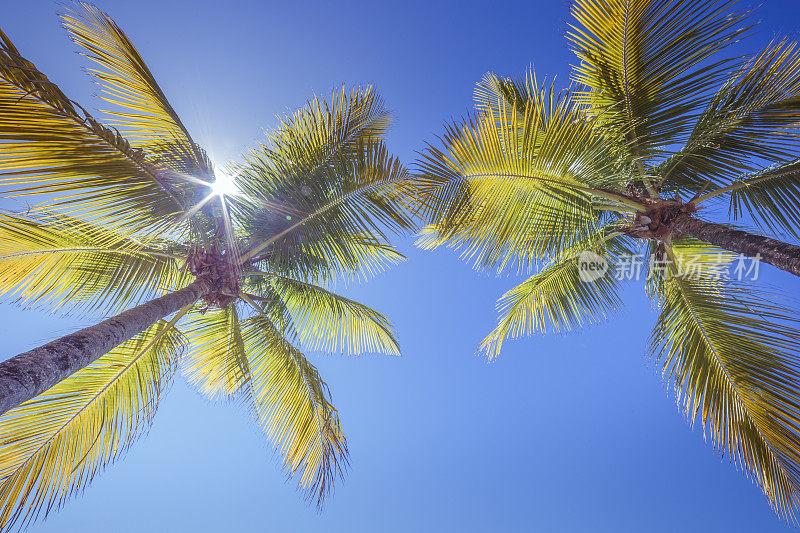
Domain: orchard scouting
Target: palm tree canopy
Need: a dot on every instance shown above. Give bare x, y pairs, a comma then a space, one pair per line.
662, 118
129, 207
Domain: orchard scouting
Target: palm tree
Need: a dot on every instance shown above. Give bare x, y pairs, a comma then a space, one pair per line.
662, 121
233, 265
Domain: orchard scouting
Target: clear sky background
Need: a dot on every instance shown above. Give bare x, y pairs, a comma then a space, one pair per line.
561, 434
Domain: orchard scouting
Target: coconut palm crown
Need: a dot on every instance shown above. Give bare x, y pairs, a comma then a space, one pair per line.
230, 265
664, 126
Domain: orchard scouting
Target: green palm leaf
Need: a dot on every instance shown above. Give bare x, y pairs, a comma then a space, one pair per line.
753, 117
217, 362
250, 359
519, 181
147, 117
52, 151
646, 62
332, 323
292, 404
356, 193
733, 357
356, 257
66, 263
52, 446
771, 198
557, 297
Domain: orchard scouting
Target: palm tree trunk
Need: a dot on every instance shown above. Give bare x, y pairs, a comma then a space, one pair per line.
31, 373
777, 253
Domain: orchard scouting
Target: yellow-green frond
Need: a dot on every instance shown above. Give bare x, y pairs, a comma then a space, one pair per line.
494, 93
517, 185
54, 445
54, 153
560, 297
733, 358
647, 64
147, 118
329, 322
358, 257
306, 140
753, 117
290, 217
292, 404
770, 197
504, 222
684, 257
697, 258
70, 264
216, 363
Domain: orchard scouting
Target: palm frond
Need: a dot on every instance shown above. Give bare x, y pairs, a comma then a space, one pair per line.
732, 356
324, 256
502, 222
147, 118
770, 197
496, 94
697, 258
360, 192
52, 446
51, 150
517, 184
647, 64
292, 404
557, 297
358, 257
329, 322
294, 167
753, 117
306, 141
69, 264
683, 257
262, 295
216, 363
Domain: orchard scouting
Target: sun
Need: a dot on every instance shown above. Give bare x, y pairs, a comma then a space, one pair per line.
224, 184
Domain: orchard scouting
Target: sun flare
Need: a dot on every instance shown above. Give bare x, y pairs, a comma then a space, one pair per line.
224, 184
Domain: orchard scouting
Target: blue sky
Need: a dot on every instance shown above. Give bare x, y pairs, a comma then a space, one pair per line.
562, 433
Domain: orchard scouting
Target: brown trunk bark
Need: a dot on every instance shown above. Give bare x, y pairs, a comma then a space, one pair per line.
780, 254
29, 374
